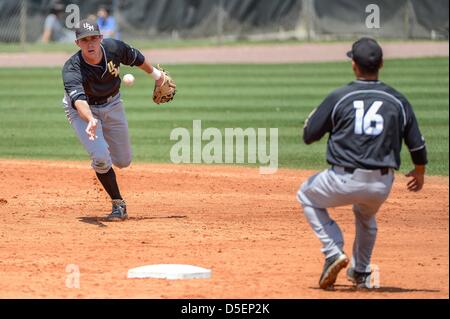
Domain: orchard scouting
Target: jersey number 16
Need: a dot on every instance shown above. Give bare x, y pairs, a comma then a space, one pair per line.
371, 123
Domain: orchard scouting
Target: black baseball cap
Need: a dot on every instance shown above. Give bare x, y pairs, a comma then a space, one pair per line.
87, 28
367, 53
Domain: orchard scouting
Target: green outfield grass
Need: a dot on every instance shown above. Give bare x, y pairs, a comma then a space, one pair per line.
33, 124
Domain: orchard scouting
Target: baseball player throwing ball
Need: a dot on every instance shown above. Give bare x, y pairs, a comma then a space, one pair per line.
93, 106
366, 121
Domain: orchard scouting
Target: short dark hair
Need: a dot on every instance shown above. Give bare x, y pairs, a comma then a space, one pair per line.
57, 7
369, 70
103, 7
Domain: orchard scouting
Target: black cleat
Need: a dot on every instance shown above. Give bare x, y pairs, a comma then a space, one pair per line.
333, 265
119, 211
361, 280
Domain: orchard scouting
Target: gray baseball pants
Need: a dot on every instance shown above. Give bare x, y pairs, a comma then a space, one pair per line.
366, 190
113, 143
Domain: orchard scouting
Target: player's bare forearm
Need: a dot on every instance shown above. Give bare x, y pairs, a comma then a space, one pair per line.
420, 169
84, 110
85, 113
148, 68
46, 36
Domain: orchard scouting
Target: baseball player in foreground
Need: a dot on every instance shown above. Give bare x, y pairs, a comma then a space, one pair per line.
366, 121
93, 106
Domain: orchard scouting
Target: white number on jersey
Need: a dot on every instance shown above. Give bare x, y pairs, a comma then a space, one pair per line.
371, 123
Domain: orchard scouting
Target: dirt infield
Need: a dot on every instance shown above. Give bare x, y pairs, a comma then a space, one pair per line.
285, 53
247, 228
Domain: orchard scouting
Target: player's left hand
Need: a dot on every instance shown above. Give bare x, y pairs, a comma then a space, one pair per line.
165, 88
161, 80
417, 181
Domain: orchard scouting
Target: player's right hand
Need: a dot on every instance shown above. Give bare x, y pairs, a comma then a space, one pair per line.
91, 129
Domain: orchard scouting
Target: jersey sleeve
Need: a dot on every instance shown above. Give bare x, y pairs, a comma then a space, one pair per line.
111, 24
414, 139
49, 22
129, 55
73, 84
319, 121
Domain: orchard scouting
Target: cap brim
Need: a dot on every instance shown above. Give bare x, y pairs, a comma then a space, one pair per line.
350, 54
88, 34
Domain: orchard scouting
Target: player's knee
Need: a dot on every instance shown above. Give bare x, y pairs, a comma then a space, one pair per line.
371, 230
101, 164
123, 163
368, 224
372, 227
302, 197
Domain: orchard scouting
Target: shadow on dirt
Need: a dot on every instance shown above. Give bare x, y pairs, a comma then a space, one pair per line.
386, 289
102, 221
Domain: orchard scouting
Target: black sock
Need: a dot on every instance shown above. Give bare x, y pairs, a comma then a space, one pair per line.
109, 183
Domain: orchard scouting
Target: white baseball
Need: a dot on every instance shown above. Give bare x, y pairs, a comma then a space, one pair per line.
128, 79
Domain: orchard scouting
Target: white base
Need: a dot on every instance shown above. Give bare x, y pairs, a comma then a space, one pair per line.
169, 271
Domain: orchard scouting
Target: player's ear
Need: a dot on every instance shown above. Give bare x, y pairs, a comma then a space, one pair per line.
354, 66
381, 65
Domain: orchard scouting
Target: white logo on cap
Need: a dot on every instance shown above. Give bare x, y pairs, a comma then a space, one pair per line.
88, 26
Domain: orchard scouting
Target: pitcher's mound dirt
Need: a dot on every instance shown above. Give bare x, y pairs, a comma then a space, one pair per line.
248, 228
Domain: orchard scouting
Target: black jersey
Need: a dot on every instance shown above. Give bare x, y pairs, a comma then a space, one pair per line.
96, 83
367, 122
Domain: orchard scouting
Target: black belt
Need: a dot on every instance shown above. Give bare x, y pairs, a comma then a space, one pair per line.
383, 171
103, 101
